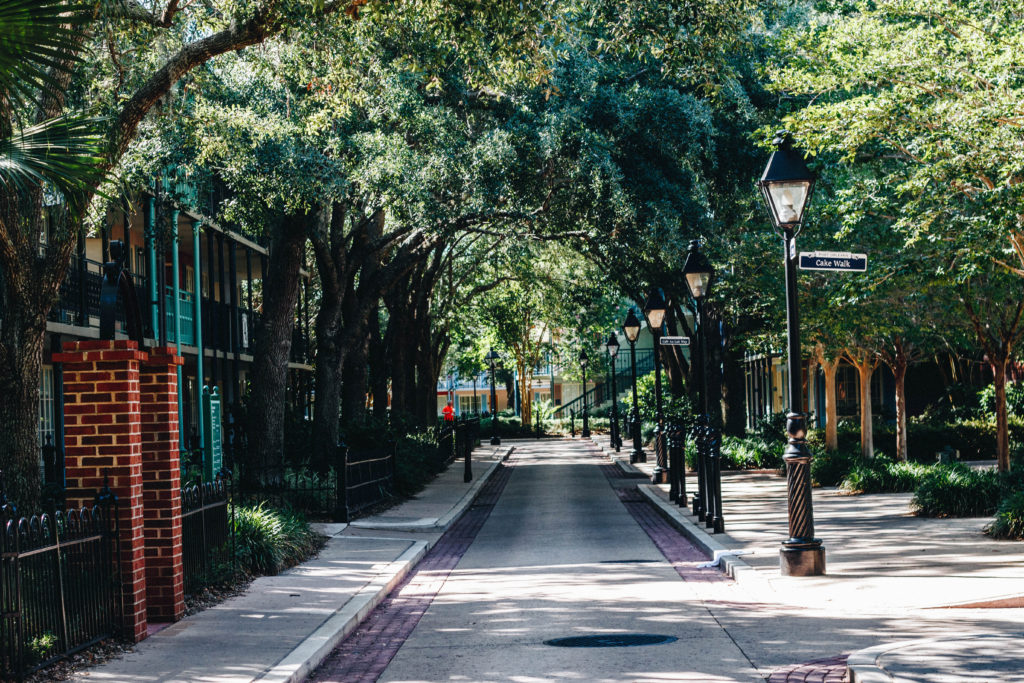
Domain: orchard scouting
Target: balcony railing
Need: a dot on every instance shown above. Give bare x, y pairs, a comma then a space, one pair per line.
225, 328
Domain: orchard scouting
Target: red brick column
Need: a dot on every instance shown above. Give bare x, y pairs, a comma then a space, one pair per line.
103, 439
161, 485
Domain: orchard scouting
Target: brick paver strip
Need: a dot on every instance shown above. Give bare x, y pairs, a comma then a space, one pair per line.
831, 670
366, 653
684, 557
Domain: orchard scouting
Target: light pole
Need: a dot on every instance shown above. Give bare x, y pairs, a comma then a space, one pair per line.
698, 274
492, 358
654, 311
786, 186
585, 434
613, 350
631, 328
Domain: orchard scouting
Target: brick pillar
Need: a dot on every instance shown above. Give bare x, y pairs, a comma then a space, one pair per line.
161, 485
103, 439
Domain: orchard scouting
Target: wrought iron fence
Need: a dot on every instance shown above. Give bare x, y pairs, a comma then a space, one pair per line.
369, 479
207, 535
59, 583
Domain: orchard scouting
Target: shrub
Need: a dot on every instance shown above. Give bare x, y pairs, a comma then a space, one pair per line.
957, 491
1009, 521
269, 540
883, 475
751, 453
830, 467
416, 461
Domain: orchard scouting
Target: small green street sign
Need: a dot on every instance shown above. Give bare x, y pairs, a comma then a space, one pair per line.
213, 460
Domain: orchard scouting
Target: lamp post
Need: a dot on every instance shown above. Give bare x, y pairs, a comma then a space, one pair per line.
631, 328
586, 416
654, 311
492, 359
786, 186
585, 434
698, 274
613, 350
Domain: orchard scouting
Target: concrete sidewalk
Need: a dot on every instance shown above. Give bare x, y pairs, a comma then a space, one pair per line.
881, 562
284, 626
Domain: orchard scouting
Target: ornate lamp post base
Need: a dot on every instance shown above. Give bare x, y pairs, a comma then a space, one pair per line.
802, 561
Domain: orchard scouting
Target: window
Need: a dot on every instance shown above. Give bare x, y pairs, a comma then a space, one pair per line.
469, 404
46, 422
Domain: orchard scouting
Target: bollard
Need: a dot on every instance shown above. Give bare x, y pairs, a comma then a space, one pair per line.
699, 498
716, 521
537, 424
467, 447
572, 422
676, 465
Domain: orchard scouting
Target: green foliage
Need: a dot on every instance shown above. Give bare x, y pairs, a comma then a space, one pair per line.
957, 491
883, 475
829, 468
674, 407
1009, 521
1014, 399
41, 648
268, 540
751, 453
417, 461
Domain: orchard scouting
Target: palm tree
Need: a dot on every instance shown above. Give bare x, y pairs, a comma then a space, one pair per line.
47, 157
36, 55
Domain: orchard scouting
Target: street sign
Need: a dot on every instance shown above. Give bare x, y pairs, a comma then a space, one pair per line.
675, 341
833, 260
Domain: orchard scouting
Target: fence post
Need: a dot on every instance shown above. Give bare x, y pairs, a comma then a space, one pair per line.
341, 479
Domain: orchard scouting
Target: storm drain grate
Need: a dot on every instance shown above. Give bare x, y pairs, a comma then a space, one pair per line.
612, 640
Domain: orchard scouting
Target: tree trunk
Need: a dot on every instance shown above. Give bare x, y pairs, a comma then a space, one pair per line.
865, 364
378, 359
899, 373
354, 385
273, 343
1002, 425
525, 380
21, 340
734, 406
831, 369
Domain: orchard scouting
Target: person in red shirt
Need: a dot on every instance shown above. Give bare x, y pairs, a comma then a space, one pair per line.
448, 412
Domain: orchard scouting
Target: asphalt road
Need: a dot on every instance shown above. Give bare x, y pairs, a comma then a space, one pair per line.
560, 555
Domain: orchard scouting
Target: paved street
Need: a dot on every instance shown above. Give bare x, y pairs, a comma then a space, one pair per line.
562, 544
560, 555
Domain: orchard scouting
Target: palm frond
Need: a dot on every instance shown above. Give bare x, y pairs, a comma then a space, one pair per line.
37, 38
65, 152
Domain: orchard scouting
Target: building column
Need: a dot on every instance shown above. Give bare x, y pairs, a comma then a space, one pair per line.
103, 445
161, 485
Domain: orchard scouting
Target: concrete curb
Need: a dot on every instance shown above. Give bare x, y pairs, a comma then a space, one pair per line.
448, 519
732, 565
442, 523
312, 651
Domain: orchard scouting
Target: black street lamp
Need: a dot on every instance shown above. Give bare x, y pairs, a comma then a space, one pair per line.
698, 274
786, 186
586, 416
612, 345
631, 328
492, 359
654, 311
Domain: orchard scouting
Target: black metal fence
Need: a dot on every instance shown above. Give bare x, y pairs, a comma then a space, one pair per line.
368, 479
207, 534
59, 584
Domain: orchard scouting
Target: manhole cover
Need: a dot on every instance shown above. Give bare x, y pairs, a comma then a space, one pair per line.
612, 640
